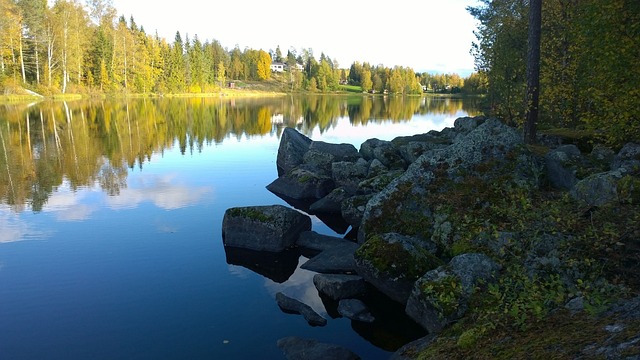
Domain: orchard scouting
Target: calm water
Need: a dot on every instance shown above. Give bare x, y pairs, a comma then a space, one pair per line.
110, 226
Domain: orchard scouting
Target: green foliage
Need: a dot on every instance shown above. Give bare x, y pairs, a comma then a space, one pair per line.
444, 294
589, 63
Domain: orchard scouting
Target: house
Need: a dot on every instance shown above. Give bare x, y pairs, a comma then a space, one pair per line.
277, 67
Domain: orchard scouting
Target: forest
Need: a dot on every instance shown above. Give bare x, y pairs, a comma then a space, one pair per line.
589, 64
71, 47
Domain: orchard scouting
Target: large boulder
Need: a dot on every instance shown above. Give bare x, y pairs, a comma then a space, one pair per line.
302, 183
392, 263
293, 146
628, 159
440, 296
296, 348
598, 189
263, 228
403, 206
561, 165
337, 259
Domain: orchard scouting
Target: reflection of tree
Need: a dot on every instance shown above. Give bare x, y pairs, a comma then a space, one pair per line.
84, 143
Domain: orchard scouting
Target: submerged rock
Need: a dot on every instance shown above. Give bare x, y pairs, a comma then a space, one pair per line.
296, 348
355, 309
294, 306
263, 228
339, 286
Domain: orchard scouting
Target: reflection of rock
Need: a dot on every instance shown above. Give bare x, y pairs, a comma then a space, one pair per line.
267, 228
294, 306
355, 309
335, 260
392, 327
296, 348
276, 266
338, 286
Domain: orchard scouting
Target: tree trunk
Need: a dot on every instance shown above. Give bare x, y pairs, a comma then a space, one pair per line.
533, 71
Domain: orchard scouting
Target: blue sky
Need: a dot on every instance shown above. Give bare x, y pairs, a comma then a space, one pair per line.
433, 35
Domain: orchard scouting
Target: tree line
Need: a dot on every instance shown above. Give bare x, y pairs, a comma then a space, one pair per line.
70, 47
589, 63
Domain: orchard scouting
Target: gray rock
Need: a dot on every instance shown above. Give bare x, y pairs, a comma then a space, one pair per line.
458, 280
560, 164
338, 286
411, 151
575, 305
378, 183
293, 146
367, 147
628, 158
392, 262
376, 168
355, 309
406, 196
313, 241
473, 267
296, 348
340, 152
302, 183
348, 174
294, 306
332, 203
263, 228
410, 350
319, 161
598, 189
335, 260
467, 124
353, 208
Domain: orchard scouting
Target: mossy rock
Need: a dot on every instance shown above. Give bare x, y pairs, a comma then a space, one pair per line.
393, 262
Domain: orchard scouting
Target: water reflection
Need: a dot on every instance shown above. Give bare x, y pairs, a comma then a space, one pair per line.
82, 143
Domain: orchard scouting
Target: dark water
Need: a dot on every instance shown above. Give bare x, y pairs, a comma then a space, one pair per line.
110, 226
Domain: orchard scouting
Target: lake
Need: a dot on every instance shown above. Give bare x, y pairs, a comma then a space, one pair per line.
111, 215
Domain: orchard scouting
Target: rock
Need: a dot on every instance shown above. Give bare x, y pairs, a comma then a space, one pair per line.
332, 203
293, 146
575, 305
263, 228
376, 168
294, 306
465, 125
628, 158
598, 189
340, 152
335, 260
412, 349
352, 209
355, 309
560, 166
440, 296
384, 151
404, 202
302, 183
392, 262
348, 174
313, 241
296, 348
378, 183
320, 162
337, 286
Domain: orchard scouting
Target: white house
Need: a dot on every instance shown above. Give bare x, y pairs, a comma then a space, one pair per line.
277, 67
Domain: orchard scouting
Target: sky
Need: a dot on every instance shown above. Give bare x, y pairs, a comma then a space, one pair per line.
425, 35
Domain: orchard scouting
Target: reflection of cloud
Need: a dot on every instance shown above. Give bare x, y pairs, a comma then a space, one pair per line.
300, 287
14, 229
67, 206
160, 191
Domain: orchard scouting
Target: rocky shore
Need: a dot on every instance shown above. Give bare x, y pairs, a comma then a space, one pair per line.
466, 226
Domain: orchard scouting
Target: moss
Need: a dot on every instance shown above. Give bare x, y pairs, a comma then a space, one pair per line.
445, 294
249, 213
394, 259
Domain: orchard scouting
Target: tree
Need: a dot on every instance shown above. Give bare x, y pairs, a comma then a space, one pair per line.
533, 71
366, 83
